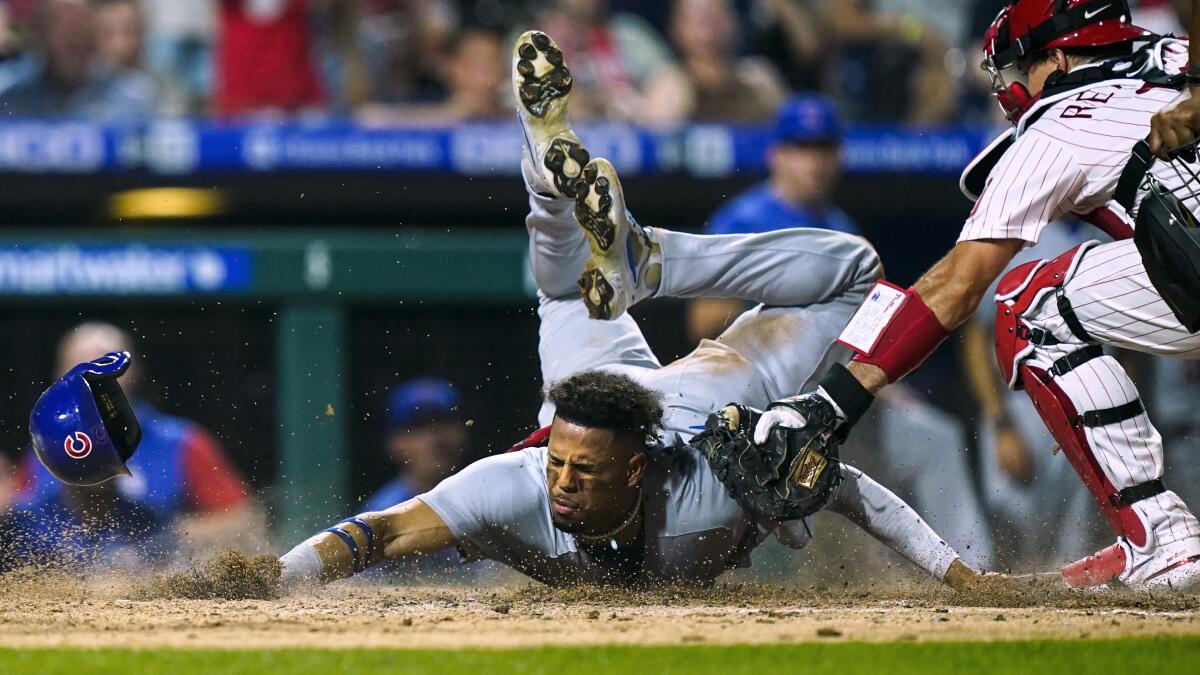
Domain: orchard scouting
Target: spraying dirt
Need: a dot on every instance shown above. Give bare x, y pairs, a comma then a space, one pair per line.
229, 575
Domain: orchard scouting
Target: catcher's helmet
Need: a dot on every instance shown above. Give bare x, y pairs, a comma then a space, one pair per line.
83, 428
1028, 27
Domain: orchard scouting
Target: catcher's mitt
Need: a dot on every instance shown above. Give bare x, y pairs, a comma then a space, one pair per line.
790, 476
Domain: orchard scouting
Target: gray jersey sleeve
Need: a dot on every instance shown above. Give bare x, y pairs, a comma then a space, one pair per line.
886, 517
491, 502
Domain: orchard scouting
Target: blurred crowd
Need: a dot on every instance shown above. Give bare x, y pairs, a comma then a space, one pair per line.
407, 62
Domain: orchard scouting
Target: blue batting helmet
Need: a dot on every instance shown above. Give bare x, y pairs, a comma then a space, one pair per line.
82, 427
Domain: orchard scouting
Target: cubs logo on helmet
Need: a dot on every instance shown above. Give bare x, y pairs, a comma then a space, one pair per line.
78, 445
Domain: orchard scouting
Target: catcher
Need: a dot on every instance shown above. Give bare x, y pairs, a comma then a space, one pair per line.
1094, 87
607, 491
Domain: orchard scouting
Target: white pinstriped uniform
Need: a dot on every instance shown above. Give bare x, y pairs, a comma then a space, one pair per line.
1068, 161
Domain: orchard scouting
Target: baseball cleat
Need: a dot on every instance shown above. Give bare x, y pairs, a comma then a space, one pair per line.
1173, 566
626, 263
542, 86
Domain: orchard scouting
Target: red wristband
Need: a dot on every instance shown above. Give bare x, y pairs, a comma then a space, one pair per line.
911, 334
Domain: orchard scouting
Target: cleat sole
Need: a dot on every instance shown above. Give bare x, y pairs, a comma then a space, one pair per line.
597, 294
596, 218
544, 78
565, 161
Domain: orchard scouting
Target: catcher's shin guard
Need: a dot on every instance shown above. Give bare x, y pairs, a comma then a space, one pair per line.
1068, 427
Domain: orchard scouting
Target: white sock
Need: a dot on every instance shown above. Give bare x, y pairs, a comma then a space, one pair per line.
302, 566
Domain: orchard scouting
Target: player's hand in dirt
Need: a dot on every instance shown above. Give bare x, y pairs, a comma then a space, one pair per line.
1176, 124
965, 579
228, 574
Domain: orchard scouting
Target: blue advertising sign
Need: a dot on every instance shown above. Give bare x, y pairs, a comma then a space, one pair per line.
123, 269
183, 147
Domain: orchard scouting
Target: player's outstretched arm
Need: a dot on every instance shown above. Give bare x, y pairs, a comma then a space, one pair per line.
1179, 122
365, 540
887, 518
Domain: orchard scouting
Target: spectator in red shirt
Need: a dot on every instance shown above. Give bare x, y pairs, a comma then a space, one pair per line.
265, 60
179, 472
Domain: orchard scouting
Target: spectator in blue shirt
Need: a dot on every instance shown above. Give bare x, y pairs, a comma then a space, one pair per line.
426, 439
804, 165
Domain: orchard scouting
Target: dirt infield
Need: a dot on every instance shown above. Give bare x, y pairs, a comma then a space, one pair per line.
59, 611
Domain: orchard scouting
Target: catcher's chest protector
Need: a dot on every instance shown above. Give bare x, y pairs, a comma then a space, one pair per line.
1019, 293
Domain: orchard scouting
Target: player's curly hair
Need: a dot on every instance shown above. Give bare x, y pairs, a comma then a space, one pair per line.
603, 400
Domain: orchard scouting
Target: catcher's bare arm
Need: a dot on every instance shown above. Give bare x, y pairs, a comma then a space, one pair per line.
941, 300
409, 528
952, 290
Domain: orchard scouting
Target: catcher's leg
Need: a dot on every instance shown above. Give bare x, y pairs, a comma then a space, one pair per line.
1056, 496
1093, 411
1113, 302
1111, 295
